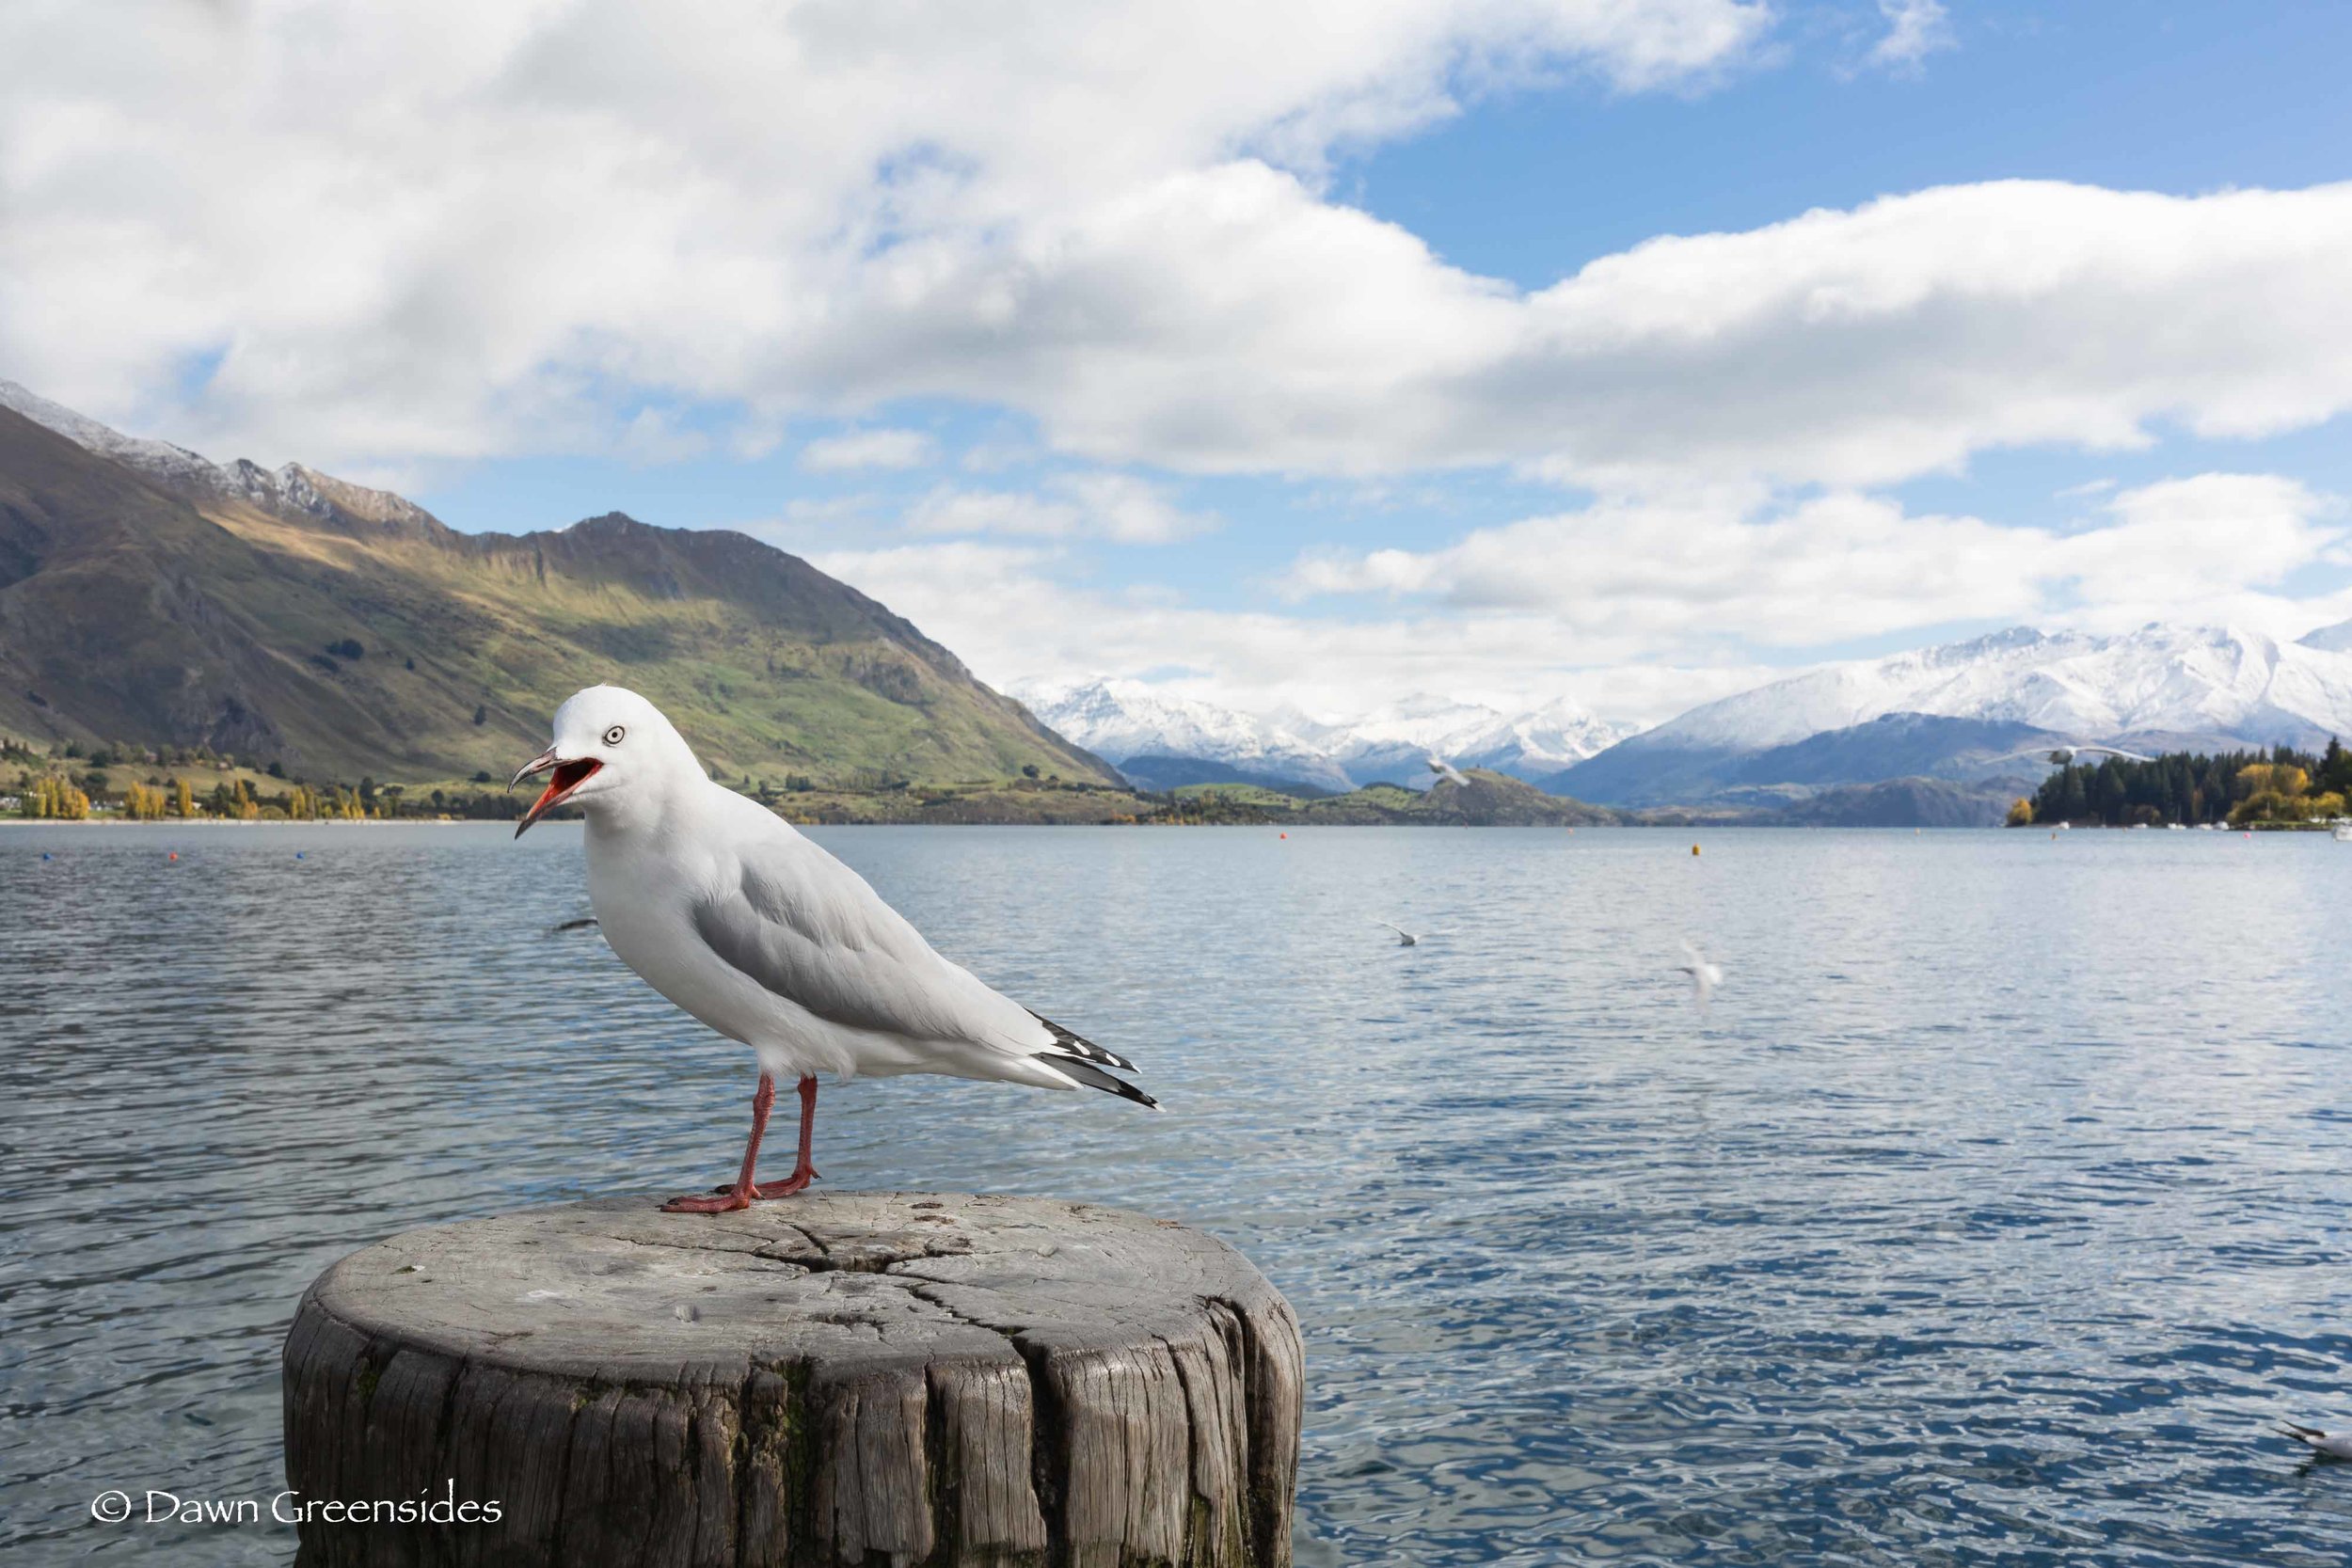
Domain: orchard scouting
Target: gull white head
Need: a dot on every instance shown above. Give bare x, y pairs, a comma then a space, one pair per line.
611, 745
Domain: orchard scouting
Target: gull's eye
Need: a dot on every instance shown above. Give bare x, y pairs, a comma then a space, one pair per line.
614, 736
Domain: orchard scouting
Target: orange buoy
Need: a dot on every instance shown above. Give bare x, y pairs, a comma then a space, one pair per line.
175, 854
1694, 848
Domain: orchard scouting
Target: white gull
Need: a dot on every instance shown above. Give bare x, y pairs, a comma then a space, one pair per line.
722, 907
1704, 976
2332, 1444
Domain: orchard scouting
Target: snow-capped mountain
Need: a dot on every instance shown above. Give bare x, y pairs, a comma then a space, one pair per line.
2158, 687
2159, 680
1122, 720
1127, 722
157, 459
2336, 638
291, 487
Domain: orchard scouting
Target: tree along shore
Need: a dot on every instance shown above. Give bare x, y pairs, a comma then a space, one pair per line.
124, 783
2279, 789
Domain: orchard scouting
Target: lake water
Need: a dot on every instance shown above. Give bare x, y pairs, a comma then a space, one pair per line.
1990, 1213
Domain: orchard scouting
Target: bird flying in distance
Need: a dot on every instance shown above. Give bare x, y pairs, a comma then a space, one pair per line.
1704, 976
2061, 757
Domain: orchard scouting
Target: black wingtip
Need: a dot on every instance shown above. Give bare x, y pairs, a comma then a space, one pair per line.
1094, 1077
1075, 1044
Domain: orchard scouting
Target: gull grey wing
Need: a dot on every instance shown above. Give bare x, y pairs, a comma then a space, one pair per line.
815, 934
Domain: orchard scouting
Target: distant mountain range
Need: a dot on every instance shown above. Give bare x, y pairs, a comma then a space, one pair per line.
1944, 723
1950, 712
150, 595
1162, 741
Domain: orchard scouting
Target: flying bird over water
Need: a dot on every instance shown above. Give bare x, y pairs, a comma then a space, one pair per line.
2064, 754
722, 907
2332, 1444
1446, 771
1403, 937
1704, 976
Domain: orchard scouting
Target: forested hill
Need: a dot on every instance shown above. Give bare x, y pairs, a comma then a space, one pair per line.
2242, 789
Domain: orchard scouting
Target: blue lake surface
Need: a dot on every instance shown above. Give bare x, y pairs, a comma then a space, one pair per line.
1990, 1213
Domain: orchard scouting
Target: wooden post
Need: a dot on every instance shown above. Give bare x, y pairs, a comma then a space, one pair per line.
861, 1378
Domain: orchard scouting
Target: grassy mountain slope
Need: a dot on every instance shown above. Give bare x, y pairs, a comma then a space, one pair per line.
171, 615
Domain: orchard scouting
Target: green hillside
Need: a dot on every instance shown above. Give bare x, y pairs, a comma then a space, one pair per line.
1485, 800
342, 633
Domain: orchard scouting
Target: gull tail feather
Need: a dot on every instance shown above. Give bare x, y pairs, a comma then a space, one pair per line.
1094, 1077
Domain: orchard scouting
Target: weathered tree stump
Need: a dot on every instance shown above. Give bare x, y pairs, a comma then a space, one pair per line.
837, 1378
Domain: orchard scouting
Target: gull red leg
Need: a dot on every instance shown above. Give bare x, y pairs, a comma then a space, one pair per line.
802, 1172
740, 1196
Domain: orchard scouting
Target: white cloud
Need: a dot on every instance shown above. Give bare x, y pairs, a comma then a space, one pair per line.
869, 448
1006, 613
1118, 507
1637, 612
441, 231
949, 510
2213, 548
2088, 487
1914, 30
1634, 579
656, 436
1649, 578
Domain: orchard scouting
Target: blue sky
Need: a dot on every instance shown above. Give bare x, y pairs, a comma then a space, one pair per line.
1308, 354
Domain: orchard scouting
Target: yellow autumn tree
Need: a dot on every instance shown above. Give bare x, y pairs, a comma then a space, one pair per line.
55, 798
2271, 778
2021, 812
183, 797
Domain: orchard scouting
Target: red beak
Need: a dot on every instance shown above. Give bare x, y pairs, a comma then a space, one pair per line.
567, 776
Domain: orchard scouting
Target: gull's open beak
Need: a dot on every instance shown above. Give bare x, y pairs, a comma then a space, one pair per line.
539, 764
567, 776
